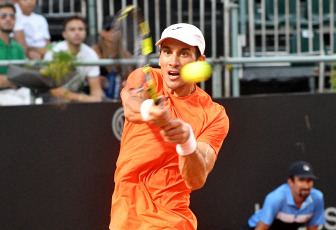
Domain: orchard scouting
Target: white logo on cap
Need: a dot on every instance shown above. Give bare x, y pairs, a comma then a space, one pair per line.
306, 168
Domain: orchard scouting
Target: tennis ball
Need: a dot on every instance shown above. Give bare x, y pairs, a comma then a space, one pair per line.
196, 71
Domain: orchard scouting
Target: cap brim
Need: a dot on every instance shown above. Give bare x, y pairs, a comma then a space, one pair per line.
176, 38
310, 176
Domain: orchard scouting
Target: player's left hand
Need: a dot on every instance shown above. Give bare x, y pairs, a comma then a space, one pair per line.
176, 131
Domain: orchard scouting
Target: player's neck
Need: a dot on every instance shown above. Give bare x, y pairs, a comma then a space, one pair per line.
298, 201
74, 48
182, 91
26, 13
4, 37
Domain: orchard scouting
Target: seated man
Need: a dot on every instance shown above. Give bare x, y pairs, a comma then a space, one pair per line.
35, 28
9, 50
293, 204
74, 34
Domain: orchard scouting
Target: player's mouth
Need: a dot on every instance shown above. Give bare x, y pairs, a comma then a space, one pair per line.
173, 74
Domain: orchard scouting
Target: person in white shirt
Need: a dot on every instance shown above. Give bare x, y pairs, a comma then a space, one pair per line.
74, 34
35, 28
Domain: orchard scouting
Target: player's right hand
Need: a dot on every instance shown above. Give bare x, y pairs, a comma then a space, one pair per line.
159, 115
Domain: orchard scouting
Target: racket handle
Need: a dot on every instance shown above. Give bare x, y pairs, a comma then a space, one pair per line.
150, 89
152, 93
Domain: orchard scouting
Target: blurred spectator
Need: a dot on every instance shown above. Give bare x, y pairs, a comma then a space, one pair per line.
35, 28
74, 33
111, 76
10, 50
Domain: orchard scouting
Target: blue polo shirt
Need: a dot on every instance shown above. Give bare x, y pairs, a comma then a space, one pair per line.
280, 212
11, 51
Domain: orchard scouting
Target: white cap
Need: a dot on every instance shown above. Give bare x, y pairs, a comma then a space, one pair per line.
185, 33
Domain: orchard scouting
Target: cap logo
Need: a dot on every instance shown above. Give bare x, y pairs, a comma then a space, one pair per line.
177, 28
306, 168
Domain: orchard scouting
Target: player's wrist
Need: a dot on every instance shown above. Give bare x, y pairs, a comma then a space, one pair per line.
189, 146
144, 109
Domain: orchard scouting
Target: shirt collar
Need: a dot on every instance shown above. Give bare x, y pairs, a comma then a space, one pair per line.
5, 44
290, 199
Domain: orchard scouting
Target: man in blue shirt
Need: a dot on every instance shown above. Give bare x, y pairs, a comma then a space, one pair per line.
293, 204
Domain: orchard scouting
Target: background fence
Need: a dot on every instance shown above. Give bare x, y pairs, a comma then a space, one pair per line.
246, 39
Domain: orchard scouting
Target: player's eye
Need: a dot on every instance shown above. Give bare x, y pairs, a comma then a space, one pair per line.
184, 53
166, 51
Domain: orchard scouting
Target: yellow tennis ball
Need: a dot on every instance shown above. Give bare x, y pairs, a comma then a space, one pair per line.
196, 71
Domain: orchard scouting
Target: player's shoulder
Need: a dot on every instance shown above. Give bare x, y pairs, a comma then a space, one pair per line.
59, 45
279, 194
87, 50
38, 17
316, 194
156, 71
15, 44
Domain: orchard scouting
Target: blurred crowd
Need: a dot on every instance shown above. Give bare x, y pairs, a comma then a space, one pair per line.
24, 35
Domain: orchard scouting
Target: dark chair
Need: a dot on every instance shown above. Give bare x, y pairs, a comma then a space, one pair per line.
270, 13
304, 38
326, 12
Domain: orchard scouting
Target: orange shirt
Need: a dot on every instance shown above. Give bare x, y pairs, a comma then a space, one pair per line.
150, 192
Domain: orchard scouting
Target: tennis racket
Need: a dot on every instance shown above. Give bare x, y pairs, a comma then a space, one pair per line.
132, 34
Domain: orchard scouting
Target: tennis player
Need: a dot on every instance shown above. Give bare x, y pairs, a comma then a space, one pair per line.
293, 204
167, 150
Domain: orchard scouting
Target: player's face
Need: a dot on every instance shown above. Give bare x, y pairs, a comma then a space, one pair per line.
174, 55
74, 32
7, 19
27, 6
301, 187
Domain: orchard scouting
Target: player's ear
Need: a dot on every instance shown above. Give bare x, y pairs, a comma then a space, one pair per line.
201, 58
159, 58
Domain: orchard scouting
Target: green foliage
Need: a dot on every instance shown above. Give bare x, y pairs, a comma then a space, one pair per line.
60, 67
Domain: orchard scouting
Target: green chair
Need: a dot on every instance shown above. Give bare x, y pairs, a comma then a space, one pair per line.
270, 13
304, 38
326, 12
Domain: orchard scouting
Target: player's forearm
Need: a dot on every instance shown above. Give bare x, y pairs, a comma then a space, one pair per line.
132, 102
262, 226
5, 83
196, 167
193, 170
20, 38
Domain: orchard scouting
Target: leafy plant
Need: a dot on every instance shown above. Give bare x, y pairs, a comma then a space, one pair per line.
60, 67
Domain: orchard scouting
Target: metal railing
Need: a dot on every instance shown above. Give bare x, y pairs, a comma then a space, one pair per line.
237, 35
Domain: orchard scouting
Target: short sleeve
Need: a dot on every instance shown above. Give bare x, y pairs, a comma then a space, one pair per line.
217, 130
270, 209
318, 217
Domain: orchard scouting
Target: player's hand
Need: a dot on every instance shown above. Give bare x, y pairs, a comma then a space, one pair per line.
159, 115
176, 131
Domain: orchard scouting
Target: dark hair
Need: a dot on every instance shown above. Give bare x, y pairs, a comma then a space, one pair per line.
197, 52
7, 4
75, 17
107, 22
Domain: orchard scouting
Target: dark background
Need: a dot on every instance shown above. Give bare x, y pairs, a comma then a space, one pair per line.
57, 161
